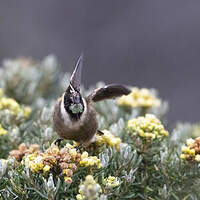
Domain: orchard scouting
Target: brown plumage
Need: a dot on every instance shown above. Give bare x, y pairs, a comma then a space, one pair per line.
74, 117
84, 130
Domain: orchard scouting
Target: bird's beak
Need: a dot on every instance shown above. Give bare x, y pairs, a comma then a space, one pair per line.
75, 80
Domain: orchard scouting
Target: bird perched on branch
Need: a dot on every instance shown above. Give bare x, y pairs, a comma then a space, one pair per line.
74, 116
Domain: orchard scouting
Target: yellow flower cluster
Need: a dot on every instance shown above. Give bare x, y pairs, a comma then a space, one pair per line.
89, 161
139, 98
65, 160
147, 127
12, 106
34, 162
191, 151
111, 182
89, 189
109, 139
2, 130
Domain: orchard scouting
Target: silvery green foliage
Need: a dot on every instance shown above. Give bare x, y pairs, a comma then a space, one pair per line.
15, 126
41, 131
14, 135
103, 197
161, 110
109, 113
156, 174
7, 118
45, 123
90, 192
184, 131
127, 158
50, 187
181, 133
26, 80
106, 156
3, 167
117, 128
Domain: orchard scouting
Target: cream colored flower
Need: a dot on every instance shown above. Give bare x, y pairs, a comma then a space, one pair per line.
12, 106
191, 151
89, 189
109, 139
46, 168
139, 98
111, 182
89, 161
148, 127
66, 159
2, 130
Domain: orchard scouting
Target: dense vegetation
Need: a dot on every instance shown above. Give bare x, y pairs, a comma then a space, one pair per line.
136, 158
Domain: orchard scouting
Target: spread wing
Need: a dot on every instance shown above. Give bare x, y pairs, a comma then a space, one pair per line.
108, 92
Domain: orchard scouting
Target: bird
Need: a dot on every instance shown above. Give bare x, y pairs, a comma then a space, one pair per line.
74, 116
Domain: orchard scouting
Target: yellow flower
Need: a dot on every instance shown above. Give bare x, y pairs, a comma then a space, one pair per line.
183, 156
90, 180
2, 130
197, 158
34, 162
68, 172
73, 152
111, 182
88, 161
89, 189
12, 106
148, 127
46, 168
27, 111
69, 146
139, 98
68, 180
190, 142
29, 158
55, 149
84, 155
185, 149
67, 159
191, 151
80, 197
108, 139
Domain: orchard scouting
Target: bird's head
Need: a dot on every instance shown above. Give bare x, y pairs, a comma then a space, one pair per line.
73, 101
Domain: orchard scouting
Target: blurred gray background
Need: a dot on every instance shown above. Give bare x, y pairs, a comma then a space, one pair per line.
143, 43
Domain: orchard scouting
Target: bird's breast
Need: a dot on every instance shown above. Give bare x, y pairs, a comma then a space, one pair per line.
68, 122
82, 130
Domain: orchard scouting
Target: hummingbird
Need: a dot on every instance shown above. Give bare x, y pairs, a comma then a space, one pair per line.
74, 116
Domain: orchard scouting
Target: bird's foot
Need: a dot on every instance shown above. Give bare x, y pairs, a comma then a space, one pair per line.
58, 141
